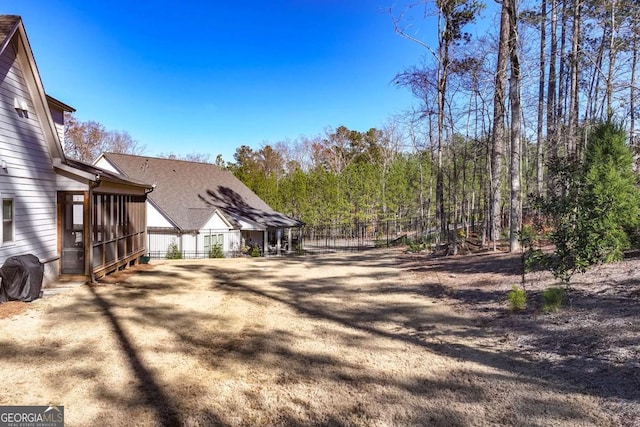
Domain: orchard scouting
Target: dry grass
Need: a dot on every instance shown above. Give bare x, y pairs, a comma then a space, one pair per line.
11, 308
375, 339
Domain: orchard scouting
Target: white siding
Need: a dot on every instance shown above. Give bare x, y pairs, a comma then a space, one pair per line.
159, 243
216, 222
155, 218
104, 164
68, 183
231, 240
29, 176
192, 245
217, 225
58, 120
234, 245
188, 244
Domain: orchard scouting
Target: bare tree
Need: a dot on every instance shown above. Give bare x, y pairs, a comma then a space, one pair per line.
388, 149
574, 95
190, 157
452, 16
613, 50
551, 84
541, 82
85, 141
635, 29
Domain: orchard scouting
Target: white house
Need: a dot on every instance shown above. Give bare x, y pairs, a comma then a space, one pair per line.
198, 205
76, 218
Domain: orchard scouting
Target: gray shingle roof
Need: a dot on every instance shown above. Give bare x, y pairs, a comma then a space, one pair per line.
189, 192
105, 174
7, 23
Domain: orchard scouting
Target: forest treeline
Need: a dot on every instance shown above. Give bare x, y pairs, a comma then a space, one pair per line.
347, 176
498, 119
492, 114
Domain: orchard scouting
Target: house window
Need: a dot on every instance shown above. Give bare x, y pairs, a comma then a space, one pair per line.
210, 240
7, 220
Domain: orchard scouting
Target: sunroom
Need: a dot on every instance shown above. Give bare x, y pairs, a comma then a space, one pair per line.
101, 220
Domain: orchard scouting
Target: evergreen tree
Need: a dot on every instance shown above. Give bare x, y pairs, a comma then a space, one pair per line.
595, 205
611, 203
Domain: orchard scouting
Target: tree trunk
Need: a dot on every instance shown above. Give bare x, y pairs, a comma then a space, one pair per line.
612, 60
515, 223
539, 140
561, 97
551, 87
443, 68
498, 143
573, 106
592, 97
632, 94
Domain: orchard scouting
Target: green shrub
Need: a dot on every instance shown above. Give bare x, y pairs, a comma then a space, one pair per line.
255, 252
517, 298
419, 245
553, 298
535, 259
216, 251
416, 246
173, 251
380, 243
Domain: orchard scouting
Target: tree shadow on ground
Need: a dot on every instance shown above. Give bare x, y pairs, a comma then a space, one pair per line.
149, 391
474, 264
350, 315
574, 370
575, 345
271, 351
413, 325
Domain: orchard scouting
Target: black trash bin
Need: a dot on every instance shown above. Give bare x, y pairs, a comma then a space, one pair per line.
21, 278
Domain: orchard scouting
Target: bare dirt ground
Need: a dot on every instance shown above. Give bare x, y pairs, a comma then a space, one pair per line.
381, 338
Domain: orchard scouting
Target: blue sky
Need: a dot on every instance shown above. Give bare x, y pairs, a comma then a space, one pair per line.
209, 76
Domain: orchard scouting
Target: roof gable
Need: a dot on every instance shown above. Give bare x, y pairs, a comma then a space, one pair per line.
12, 33
190, 192
14, 41
8, 25
218, 221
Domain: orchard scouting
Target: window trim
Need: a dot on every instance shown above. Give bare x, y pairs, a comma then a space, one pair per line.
11, 197
212, 239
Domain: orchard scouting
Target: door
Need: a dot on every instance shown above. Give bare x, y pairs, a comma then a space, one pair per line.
72, 231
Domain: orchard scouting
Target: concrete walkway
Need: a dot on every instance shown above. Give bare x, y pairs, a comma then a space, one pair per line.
61, 286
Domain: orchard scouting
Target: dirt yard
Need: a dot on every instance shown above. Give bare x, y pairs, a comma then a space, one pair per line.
381, 338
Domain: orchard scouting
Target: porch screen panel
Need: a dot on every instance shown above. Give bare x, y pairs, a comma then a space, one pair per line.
118, 227
98, 256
